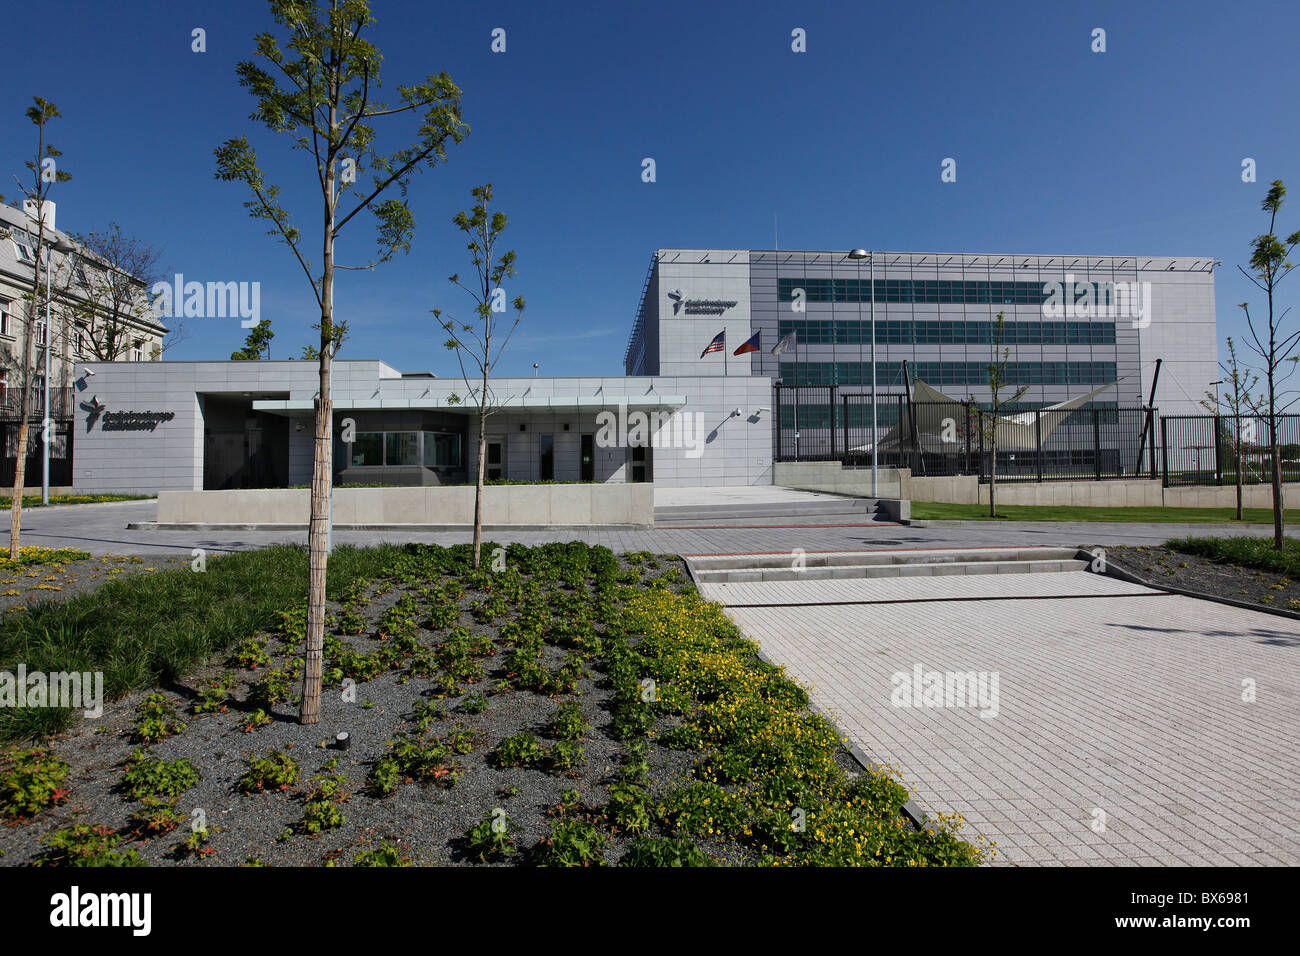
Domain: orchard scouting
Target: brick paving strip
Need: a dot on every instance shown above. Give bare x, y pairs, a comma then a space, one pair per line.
1120, 734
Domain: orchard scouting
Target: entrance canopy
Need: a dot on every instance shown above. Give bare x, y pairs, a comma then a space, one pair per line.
526, 403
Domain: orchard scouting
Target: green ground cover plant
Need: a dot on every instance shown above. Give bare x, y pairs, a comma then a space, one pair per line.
1245, 552
667, 737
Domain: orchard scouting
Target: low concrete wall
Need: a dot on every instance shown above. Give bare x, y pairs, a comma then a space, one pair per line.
604, 504
1120, 493
832, 477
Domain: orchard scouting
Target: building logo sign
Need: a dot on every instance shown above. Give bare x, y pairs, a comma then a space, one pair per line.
134, 421
699, 306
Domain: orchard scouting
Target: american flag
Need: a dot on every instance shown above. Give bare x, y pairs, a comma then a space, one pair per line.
717, 345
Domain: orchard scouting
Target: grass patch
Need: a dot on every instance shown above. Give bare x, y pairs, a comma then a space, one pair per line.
141, 630
35, 500
942, 511
1257, 553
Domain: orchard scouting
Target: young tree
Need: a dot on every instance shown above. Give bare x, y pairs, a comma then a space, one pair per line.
109, 301
1270, 263
1242, 380
258, 341
473, 340
327, 109
45, 172
987, 419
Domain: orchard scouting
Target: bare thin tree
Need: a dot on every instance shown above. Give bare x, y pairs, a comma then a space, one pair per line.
45, 172
1270, 263
109, 302
473, 341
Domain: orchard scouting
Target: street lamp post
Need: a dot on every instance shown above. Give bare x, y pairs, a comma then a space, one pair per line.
63, 246
860, 254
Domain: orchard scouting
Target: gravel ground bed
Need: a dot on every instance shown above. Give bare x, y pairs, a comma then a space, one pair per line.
1161, 565
30, 584
425, 820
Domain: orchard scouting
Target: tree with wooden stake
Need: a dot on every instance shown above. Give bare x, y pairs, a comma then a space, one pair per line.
45, 171
987, 420
1270, 263
327, 108
1242, 380
473, 341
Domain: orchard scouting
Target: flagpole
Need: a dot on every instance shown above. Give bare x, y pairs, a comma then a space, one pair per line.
724, 350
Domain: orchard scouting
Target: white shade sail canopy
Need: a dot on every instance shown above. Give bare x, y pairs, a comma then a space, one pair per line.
935, 423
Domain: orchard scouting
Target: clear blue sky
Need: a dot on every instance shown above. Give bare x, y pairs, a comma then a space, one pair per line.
1059, 150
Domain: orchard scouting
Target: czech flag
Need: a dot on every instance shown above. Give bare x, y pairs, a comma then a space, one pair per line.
749, 346
717, 345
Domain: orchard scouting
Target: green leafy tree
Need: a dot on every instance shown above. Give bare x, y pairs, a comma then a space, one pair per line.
986, 420
473, 341
318, 90
1270, 263
45, 172
258, 341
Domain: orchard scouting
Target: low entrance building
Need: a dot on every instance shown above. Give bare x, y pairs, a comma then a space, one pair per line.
191, 426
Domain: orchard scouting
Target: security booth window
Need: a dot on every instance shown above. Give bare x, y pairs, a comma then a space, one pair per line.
441, 450
368, 449
430, 449
402, 448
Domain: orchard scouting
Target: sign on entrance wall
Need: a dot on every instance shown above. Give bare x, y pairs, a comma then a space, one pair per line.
699, 306
134, 421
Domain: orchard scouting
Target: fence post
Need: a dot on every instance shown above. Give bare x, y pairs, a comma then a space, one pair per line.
1151, 452
797, 424
1096, 440
847, 442
966, 406
1038, 441
1218, 455
776, 421
1164, 447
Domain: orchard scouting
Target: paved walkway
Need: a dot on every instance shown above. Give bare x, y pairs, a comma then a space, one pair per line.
101, 529
1117, 735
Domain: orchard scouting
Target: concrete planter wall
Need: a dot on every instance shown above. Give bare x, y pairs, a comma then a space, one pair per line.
526, 505
831, 477
1121, 493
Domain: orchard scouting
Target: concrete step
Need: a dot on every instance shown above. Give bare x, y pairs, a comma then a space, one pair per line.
917, 570
831, 510
882, 564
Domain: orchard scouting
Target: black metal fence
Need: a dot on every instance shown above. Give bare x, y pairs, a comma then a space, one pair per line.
61, 404
823, 423
1209, 450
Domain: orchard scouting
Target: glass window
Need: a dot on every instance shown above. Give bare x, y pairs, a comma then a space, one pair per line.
401, 448
443, 450
368, 449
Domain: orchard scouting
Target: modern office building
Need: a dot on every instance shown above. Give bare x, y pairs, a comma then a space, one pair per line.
690, 414
1109, 320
